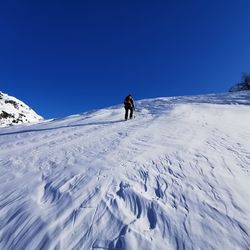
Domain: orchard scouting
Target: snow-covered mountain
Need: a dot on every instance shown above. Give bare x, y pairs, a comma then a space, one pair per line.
14, 111
243, 85
240, 87
175, 177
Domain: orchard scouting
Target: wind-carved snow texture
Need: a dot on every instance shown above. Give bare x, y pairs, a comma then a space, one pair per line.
176, 177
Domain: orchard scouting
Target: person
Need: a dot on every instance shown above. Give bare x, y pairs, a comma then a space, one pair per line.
129, 106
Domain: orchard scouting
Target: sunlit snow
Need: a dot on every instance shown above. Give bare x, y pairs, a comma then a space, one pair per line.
175, 177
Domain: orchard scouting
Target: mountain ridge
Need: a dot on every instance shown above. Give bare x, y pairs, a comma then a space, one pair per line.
14, 111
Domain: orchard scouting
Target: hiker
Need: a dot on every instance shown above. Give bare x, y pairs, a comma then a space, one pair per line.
129, 106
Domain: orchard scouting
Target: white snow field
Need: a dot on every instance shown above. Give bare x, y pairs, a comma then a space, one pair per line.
175, 177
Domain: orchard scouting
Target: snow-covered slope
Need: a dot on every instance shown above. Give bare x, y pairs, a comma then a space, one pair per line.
14, 111
175, 177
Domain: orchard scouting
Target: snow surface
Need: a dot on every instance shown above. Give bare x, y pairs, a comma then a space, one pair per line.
17, 112
175, 177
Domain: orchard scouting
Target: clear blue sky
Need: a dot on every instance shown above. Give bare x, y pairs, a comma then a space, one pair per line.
65, 57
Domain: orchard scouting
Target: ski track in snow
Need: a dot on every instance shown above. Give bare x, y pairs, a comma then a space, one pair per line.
176, 177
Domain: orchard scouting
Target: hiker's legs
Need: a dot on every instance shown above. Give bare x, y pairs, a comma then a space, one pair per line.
126, 113
131, 113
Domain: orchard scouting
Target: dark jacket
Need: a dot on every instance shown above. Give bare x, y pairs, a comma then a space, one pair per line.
129, 102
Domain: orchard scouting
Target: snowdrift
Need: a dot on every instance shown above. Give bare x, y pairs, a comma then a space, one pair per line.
175, 177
